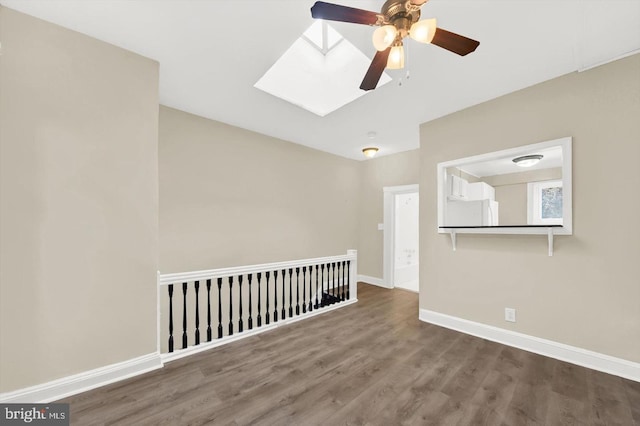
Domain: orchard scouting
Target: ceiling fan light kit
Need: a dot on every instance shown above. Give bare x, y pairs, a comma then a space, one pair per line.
396, 58
384, 37
423, 31
397, 19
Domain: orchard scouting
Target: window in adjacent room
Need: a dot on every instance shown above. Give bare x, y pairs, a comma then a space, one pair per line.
544, 203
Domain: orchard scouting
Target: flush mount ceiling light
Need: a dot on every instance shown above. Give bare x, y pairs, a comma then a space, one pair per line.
370, 152
527, 160
397, 19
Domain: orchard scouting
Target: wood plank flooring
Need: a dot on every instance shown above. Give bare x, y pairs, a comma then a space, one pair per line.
372, 363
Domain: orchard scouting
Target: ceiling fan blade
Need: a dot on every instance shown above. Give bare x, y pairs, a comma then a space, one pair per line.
375, 70
454, 42
335, 12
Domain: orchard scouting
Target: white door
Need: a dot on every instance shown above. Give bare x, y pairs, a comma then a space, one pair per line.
401, 237
405, 272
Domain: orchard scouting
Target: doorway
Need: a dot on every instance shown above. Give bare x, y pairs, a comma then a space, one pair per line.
401, 237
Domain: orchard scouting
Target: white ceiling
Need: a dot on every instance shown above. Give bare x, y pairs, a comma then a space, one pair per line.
211, 53
551, 158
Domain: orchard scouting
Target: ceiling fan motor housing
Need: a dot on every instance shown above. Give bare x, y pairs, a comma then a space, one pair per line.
401, 14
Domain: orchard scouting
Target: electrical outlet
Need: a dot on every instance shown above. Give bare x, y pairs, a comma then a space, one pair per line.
510, 314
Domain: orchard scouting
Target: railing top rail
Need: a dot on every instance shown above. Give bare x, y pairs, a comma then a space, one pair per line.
179, 277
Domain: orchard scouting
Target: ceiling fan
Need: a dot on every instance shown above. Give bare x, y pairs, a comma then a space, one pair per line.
397, 19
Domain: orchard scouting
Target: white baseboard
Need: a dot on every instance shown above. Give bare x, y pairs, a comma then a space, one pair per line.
583, 357
372, 280
71, 385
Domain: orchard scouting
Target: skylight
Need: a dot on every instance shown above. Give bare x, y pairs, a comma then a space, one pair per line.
320, 72
319, 33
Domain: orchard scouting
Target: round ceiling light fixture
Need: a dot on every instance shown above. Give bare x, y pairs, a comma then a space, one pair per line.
527, 160
370, 152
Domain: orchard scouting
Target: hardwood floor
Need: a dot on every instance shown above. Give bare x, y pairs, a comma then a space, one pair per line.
370, 363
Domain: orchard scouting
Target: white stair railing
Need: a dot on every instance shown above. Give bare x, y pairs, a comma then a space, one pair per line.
199, 310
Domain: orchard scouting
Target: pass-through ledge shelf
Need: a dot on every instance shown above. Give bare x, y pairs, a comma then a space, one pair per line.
504, 229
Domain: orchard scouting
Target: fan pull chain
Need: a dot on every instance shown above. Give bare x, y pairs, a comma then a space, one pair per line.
406, 77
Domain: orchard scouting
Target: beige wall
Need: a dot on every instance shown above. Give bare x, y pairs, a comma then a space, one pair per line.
79, 202
524, 177
390, 170
586, 295
464, 175
232, 197
512, 204
511, 192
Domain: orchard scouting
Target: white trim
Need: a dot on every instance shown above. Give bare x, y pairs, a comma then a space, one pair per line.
82, 382
389, 219
158, 319
606, 61
401, 189
373, 280
410, 290
181, 353
583, 357
353, 274
179, 277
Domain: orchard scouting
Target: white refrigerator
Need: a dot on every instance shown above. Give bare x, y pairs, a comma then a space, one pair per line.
472, 213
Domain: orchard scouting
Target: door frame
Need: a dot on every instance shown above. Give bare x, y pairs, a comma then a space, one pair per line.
389, 219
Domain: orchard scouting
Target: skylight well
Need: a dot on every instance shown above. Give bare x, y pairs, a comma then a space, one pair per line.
320, 72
